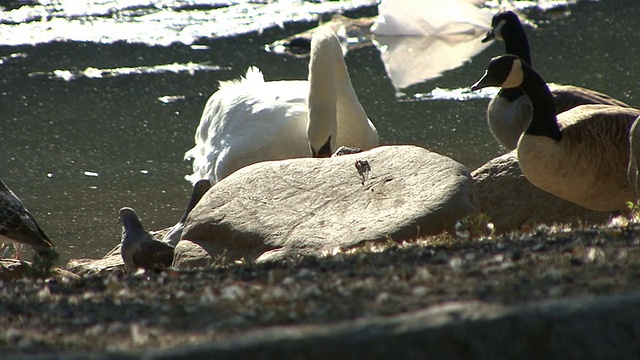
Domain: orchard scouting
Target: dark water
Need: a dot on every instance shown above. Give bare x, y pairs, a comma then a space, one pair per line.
76, 151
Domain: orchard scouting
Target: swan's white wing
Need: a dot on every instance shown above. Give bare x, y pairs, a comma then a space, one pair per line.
249, 122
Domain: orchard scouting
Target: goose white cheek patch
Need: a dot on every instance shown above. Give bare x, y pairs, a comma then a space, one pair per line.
515, 75
497, 32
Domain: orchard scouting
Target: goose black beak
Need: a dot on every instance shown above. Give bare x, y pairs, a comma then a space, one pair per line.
486, 81
490, 36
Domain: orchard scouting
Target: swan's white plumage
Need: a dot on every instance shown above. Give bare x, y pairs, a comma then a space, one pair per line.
251, 120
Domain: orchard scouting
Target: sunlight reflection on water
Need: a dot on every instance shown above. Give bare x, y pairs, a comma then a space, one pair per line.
162, 23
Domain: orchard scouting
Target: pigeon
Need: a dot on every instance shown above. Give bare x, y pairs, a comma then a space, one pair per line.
199, 189
18, 226
139, 248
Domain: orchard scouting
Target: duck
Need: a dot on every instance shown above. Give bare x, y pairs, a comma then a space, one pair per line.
509, 111
139, 248
580, 155
18, 226
252, 120
175, 233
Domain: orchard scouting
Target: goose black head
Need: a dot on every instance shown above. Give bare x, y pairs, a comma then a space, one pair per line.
504, 71
502, 23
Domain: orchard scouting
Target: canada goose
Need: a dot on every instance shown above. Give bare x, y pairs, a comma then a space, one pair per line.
580, 155
139, 248
199, 189
18, 226
509, 111
634, 156
250, 120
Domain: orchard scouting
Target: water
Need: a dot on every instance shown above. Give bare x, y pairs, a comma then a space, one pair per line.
88, 127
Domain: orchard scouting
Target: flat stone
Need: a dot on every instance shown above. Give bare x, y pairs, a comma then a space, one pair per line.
277, 209
188, 255
511, 201
111, 262
11, 269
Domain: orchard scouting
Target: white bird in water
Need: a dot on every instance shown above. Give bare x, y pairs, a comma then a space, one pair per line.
139, 248
18, 226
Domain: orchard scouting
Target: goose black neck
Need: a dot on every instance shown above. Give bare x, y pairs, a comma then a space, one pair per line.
544, 121
511, 94
516, 42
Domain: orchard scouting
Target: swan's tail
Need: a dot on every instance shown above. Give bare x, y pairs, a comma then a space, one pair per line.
253, 76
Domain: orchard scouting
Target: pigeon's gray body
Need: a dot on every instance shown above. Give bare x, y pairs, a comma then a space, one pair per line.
139, 248
17, 225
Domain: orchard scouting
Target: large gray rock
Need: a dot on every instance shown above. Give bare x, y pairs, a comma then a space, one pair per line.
511, 201
272, 210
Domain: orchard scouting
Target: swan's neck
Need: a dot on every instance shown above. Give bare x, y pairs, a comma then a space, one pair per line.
335, 113
323, 112
351, 115
544, 121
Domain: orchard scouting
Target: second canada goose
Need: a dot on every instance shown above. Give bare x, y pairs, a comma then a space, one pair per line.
509, 111
580, 155
251, 120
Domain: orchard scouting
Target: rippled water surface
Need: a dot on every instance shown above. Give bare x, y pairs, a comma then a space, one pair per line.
99, 102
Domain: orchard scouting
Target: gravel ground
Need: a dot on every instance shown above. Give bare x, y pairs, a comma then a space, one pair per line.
157, 310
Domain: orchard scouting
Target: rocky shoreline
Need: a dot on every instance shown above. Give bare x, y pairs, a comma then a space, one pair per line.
234, 308
264, 288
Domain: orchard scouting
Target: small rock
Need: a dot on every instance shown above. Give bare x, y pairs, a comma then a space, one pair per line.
511, 201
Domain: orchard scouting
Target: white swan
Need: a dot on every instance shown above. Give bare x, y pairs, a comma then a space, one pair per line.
249, 120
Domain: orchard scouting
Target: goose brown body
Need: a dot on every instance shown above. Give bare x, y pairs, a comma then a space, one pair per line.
589, 165
581, 155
